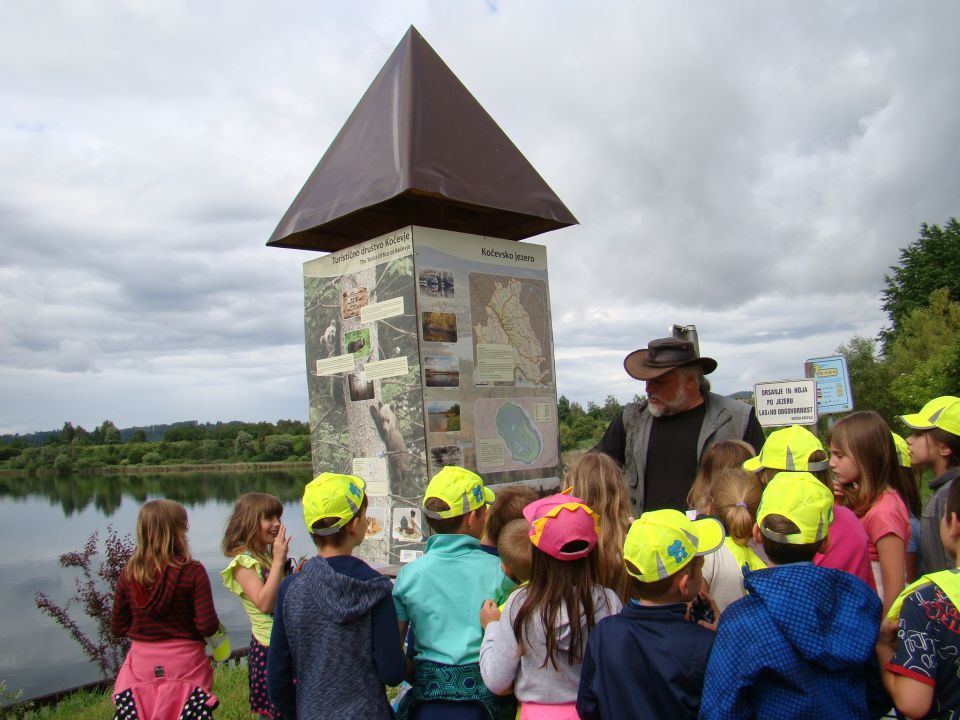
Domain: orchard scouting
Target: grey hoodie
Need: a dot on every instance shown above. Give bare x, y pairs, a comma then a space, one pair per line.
933, 556
332, 617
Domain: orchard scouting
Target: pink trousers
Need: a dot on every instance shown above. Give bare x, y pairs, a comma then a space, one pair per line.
163, 675
543, 711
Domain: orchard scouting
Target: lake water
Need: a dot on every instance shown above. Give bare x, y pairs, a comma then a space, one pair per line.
40, 519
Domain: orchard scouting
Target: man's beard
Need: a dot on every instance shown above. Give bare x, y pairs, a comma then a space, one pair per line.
675, 406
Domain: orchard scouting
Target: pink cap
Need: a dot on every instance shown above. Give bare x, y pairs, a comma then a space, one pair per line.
558, 520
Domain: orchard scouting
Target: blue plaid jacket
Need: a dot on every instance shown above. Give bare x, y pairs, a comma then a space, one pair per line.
799, 646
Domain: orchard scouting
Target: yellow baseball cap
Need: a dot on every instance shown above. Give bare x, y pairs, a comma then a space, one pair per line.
802, 499
903, 450
332, 495
929, 417
459, 488
663, 542
788, 449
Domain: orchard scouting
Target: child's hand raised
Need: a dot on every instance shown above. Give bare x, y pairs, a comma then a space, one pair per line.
281, 546
488, 613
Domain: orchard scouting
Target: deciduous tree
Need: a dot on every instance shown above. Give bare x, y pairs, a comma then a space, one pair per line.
931, 262
925, 354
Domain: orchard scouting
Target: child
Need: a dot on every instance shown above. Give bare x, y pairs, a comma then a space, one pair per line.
439, 594
908, 487
922, 669
258, 544
598, 479
864, 464
335, 628
935, 444
537, 646
800, 645
508, 507
163, 603
795, 448
649, 661
719, 456
516, 551
734, 501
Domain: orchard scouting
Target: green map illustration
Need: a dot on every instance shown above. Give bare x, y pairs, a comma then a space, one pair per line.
516, 433
514, 312
519, 433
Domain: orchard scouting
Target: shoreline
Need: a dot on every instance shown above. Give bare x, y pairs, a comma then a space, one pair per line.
161, 469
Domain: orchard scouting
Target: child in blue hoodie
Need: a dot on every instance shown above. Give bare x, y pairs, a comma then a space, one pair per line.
801, 644
334, 642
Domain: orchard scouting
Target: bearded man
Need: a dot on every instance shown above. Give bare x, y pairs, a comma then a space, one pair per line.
661, 439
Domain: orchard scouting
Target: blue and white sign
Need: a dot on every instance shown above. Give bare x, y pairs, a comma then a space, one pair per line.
833, 383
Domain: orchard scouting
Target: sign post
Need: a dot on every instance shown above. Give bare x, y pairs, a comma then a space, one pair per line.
833, 383
786, 402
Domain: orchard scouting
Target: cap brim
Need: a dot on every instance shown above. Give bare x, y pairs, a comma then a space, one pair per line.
710, 535
488, 495
636, 367
917, 422
753, 464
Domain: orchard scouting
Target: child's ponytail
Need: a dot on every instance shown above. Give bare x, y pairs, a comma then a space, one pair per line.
735, 498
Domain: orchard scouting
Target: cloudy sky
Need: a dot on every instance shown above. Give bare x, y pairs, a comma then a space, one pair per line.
751, 168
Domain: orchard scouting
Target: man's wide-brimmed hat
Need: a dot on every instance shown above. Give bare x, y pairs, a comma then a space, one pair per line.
663, 355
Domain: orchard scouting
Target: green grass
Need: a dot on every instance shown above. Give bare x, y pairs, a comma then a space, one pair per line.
229, 684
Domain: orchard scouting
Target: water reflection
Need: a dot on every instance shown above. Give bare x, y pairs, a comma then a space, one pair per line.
41, 518
106, 492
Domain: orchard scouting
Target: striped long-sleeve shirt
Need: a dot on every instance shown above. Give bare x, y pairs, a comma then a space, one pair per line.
178, 606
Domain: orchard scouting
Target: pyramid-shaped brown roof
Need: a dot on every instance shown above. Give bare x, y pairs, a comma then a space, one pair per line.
419, 150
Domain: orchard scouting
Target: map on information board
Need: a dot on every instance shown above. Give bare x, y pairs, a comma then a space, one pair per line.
487, 352
515, 433
510, 312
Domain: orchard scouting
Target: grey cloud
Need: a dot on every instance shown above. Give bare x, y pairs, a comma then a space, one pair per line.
749, 168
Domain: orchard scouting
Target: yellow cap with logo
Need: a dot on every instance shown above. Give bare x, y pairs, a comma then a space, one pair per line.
332, 495
802, 499
788, 449
663, 542
462, 490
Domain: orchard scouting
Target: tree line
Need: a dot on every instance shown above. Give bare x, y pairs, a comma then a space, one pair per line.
76, 450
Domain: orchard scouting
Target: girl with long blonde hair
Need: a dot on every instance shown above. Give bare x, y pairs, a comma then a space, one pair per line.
164, 604
257, 543
598, 480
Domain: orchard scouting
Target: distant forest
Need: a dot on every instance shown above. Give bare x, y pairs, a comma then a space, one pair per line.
73, 449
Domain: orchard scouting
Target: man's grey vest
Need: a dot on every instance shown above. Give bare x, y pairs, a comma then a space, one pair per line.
724, 419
